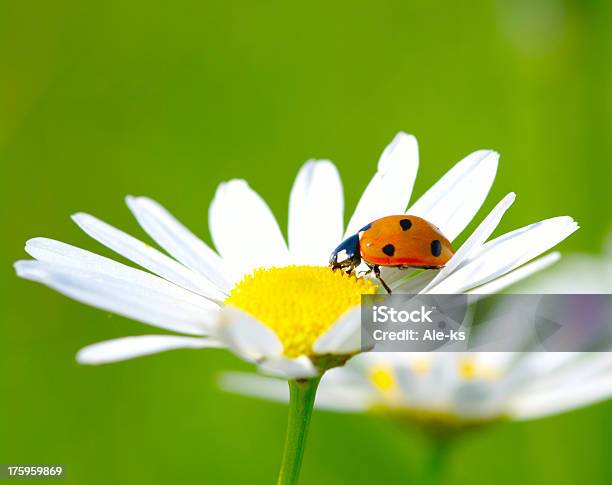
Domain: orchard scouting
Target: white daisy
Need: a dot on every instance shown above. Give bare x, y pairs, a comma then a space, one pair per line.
271, 303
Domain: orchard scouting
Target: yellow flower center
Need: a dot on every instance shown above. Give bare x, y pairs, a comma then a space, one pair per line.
299, 303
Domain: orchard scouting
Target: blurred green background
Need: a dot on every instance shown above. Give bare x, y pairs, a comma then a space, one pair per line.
103, 99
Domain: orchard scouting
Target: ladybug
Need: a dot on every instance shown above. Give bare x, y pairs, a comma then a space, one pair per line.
397, 241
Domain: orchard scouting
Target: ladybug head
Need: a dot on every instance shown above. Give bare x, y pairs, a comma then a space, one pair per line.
347, 254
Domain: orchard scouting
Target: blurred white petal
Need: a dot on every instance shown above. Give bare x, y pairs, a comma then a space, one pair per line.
345, 399
543, 364
296, 368
577, 273
332, 398
575, 370
536, 405
255, 386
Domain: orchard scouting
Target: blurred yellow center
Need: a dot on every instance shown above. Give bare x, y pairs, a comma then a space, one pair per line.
299, 303
421, 366
468, 370
382, 378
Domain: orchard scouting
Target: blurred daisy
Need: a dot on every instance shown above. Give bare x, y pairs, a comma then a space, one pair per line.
446, 391
273, 303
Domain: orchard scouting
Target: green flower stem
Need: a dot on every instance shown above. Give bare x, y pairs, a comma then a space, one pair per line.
301, 402
436, 463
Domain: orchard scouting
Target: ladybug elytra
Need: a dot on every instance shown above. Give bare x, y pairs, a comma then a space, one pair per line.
398, 241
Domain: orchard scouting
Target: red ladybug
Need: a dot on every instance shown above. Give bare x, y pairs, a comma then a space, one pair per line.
397, 241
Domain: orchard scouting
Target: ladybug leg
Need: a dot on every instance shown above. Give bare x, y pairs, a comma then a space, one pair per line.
376, 270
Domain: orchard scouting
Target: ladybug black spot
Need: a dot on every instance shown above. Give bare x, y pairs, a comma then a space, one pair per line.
389, 250
436, 248
405, 224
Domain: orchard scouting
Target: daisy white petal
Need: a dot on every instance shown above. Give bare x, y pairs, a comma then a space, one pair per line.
532, 239
517, 275
289, 368
456, 198
145, 297
415, 284
65, 255
476, 239
130, 347
506, 253
316, 213
247, 337
389, 190
244, 229
344, 337
179, 241
558, 400
147, 256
